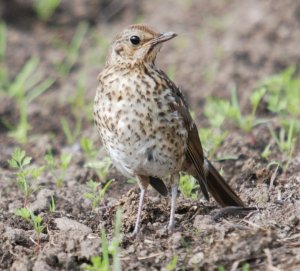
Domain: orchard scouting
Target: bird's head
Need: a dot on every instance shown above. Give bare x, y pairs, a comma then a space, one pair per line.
136, 44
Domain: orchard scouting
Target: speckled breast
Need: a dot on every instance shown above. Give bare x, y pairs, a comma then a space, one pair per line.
138, 128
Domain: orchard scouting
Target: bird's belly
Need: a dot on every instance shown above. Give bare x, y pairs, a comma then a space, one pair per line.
148, 157
142, 143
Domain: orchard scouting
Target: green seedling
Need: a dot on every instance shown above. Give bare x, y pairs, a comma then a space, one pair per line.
94, 55
81, 111
114, 247
27, 86
88, 148
101, 167
52, 206
72, 51
131, 181
99, 263
3, 40
58, 170
96, 194
283, 95
188, 186
45, 8
221, 268
217, 110
285, 141
212, 138
172, 264
266, 152
26, 176
36, 221
246, 267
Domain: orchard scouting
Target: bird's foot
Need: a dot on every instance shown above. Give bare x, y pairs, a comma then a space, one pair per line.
171, 228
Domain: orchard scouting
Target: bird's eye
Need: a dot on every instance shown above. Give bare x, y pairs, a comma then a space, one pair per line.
135, 40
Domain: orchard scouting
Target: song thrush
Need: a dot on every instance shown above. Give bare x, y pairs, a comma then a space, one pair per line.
145, 124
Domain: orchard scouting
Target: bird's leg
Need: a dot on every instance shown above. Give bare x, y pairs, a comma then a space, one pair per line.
143, 183
174, 188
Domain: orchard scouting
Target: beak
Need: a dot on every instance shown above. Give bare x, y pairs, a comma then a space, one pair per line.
163, 37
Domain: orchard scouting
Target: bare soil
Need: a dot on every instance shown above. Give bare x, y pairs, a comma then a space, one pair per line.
221, 45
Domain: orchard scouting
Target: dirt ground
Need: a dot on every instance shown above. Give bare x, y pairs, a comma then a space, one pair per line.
221, 44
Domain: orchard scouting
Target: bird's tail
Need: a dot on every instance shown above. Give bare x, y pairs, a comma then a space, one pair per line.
218, 187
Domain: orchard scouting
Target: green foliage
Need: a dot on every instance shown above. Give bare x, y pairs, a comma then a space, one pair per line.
52, 206
172, 264
96, 194
27, 86
45, 8
246, 267
114, 247
217, 110
101, 167
58, 170
99, 263
286, 140
283, 92
80, 111
35, 220
88, 148
25, 176
212, 138
72, 51
3, 40
221, 268
188, 186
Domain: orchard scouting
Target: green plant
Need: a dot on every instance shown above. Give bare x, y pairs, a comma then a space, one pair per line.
99, 263
266, 152
188, 185
101, 167
45, 8
285, 140
72, 51
52, 206
61, 167
172, 264
212, 138
2, 40
246, 267
217, 110
35, 220
221, 268
96, 193
80, 111
25, 176
27, 86
88, 148
283, 95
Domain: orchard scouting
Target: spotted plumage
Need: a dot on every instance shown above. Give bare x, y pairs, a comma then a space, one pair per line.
145, 124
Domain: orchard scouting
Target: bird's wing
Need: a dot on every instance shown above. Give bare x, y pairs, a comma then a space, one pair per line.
194, 151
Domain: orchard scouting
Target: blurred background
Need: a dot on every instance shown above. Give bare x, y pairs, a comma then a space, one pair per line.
222, 44
237, 63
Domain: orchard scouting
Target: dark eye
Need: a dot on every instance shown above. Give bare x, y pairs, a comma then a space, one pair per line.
135, 40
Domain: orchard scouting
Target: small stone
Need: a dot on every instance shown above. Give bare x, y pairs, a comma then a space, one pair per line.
67, 224
196, 259
204, 223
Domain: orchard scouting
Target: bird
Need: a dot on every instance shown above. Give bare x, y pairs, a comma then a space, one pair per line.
145, 125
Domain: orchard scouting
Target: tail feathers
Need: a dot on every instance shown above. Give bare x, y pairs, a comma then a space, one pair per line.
219, 189
158, 185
